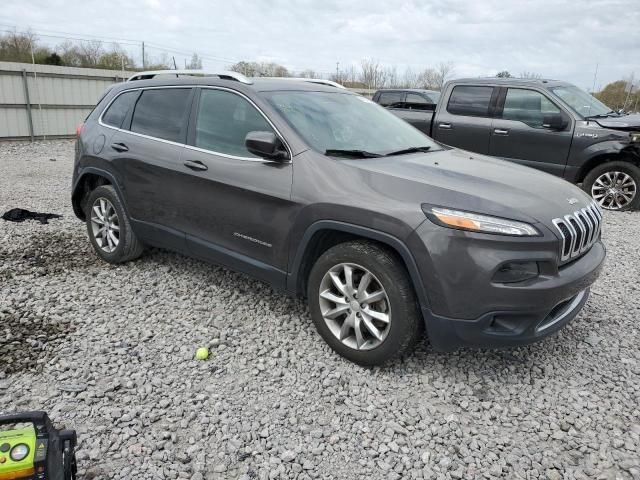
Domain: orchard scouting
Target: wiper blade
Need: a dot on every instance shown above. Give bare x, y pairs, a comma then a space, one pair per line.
409, 150
351, 153
601, 115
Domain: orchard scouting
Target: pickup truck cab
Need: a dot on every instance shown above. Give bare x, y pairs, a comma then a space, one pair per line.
546, 124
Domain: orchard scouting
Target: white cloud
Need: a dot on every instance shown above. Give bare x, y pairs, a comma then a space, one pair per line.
558, 39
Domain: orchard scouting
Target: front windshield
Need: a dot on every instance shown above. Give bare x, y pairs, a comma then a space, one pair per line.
580, 101
343, 121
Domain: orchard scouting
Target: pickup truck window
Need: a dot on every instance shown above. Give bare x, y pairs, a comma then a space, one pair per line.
580, 101
389, 98
527, 106
470, 100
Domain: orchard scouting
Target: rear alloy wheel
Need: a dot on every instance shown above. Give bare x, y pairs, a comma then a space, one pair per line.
614, 185
109, 228
363, 303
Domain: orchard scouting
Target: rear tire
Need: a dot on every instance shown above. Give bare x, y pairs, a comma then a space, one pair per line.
109, 228
360, 285
614, 185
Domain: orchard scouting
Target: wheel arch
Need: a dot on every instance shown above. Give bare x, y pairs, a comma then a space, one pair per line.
324, 234
88, 180
604, 157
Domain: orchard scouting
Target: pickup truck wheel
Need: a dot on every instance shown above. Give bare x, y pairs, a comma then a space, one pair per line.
614, 185
109, 228
363, 304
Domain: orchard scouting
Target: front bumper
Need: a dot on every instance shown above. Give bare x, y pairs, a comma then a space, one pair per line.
466, 306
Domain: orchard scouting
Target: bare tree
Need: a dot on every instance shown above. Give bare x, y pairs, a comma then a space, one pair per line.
372, 74
530, 75
391, 77
444, 71
429, 79
195, 63
90, 52
308, 73
410, 79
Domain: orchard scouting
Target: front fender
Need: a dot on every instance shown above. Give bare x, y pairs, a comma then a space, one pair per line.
294, 280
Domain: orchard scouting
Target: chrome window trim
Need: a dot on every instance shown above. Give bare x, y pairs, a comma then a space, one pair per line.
193, 147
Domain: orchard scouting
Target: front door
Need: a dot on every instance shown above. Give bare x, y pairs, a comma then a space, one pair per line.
235, 208
519, 134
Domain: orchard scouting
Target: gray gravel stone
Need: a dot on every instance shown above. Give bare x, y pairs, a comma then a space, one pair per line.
109, 350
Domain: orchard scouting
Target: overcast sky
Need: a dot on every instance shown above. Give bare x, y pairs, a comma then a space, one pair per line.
557, 39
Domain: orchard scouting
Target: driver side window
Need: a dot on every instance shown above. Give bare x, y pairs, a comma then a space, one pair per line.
528, 106
223, 121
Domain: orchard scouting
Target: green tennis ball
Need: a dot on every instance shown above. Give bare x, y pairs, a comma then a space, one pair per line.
202, 353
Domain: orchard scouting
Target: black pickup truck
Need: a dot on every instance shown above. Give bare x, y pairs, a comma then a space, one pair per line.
546, 124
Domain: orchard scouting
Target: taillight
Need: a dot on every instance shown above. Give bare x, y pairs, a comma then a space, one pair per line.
79, 130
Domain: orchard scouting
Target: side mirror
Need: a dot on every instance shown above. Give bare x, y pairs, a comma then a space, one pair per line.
555, 122
266, 145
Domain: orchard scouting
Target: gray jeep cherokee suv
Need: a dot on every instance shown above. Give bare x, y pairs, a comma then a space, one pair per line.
325, 194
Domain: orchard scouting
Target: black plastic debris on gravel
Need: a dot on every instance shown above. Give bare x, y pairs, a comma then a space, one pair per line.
20, 215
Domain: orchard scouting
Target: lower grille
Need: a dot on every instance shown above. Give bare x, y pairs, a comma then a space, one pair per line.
579, 231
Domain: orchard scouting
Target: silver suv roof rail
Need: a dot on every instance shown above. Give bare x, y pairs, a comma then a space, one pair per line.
319, 81
227, 75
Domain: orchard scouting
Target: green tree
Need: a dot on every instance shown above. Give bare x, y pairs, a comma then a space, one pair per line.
503, 74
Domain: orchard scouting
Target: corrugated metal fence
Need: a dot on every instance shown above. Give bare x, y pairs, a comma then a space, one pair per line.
47, 101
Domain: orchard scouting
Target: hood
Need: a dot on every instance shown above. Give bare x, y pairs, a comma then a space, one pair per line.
477, 183
623, 122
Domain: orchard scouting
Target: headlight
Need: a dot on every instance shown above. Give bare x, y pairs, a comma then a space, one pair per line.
634, 137
475, 222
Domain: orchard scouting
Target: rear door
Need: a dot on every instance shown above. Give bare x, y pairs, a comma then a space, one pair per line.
465, 121
235, 207
518, 132
146, 155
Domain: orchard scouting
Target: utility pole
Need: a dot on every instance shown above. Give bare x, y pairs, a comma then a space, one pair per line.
630, 88
338, 72
144, 62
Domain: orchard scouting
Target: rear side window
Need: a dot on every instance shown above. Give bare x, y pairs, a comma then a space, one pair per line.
162, 113
223, 121
470, 100
528, 106
389, 98
119, 108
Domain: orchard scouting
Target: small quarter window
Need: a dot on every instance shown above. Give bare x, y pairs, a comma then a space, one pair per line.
470, 100
119, 108
223, 121
162, 113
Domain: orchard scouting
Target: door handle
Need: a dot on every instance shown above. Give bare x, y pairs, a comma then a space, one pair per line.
195, 165
119, 147
500, 131
446, 126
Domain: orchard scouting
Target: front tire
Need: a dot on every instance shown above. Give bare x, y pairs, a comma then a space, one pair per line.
614, 185
363, 303
109, 228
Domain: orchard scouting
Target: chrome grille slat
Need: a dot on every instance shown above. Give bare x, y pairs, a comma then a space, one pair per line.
578, 231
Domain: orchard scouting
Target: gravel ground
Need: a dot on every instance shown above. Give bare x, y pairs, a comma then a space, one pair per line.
108, 350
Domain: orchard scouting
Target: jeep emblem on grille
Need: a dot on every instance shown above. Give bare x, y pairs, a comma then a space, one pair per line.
572, 201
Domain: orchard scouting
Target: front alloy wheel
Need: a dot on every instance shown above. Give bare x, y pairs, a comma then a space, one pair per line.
355, 306
363, 304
